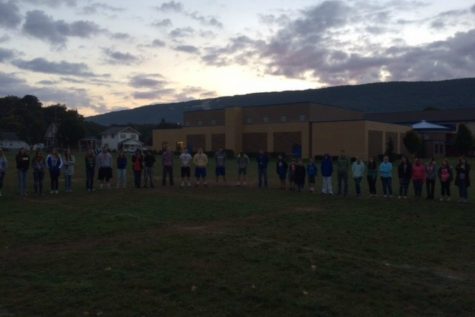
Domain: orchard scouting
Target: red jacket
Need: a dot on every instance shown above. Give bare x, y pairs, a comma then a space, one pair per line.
418, 172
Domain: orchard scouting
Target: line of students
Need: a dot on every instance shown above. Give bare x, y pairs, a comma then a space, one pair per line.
292, 175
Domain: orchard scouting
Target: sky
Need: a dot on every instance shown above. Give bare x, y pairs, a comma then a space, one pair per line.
101, 56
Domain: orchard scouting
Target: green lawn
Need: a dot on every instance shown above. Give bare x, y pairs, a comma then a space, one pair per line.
228, 251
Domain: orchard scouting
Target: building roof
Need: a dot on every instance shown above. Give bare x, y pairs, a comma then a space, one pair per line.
115, 130
424, 126
435, 116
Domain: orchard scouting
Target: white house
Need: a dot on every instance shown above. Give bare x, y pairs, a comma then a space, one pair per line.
10, 141
125, 138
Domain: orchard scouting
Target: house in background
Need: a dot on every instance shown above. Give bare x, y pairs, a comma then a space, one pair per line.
10, 141
434, 137
121, 138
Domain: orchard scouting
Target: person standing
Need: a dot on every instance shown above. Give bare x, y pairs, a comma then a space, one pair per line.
445, 176
431, 176
149, 162
22, 165
104, 164
262, 162
185, 160
418, 177
39, 166
3, 169
386, 172
90, 166
327, 171
200, 160
121, 170
312, 174
292, 171
300, 175
242, 161
69, 163
372, 176
462, 178
137, 167
281, 169
54, 163
342, 164
167, 162
404, 171
358, 169
220, 157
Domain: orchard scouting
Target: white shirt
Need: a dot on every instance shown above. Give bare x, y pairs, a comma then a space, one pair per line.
185, 159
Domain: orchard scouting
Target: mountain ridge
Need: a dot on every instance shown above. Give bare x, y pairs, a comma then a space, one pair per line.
372, 97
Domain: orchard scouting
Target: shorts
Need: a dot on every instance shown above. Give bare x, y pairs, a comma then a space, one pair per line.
242, 171
105, 173
311, 179
185, 172
220, 171
200, 172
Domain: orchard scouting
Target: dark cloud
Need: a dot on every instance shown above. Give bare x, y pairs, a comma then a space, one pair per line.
9, 14
182, 32
147, 81
117, 57
156, 94
192, 93
97, 7
11, 84
41, 65
53, 3
44, 27
171, 6
47, 82
187, 49
4, 38
473, 9
6, 54
162, 23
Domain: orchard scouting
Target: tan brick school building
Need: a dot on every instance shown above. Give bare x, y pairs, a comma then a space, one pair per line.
309, 128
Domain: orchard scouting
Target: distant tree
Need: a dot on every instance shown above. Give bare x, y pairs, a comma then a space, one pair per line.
413, 142
464, 139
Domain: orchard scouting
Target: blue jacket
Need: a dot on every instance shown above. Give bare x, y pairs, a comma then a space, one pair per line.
312, 170
281, 168
54, 164
386, 169
327, 167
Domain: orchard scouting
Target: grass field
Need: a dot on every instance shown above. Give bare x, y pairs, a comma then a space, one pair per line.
228, 251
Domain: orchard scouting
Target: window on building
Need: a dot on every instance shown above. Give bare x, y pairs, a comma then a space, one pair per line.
123, 135
283, 118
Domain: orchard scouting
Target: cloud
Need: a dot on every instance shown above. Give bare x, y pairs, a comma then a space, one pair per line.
97, 7
44, 27
53, 3
473, 9
147, 81
162, 23
121, 36
156, 94
9, 15
171, 6
205, 20
158, 43
182, 32
11, 84
117, 57
41, 65
4, 38
6, 54
187, 49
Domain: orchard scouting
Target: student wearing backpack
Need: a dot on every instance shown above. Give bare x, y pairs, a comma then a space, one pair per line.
386, 173
418, 177
242, 161
262, 162
137, 167
343, 165
312, 174
327, 171
22, 164
185, 161
68, 166
372, 176
39, 166
358, 169
404, 172
200, 160
281, 168
431, 176
121, 163
90, 166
